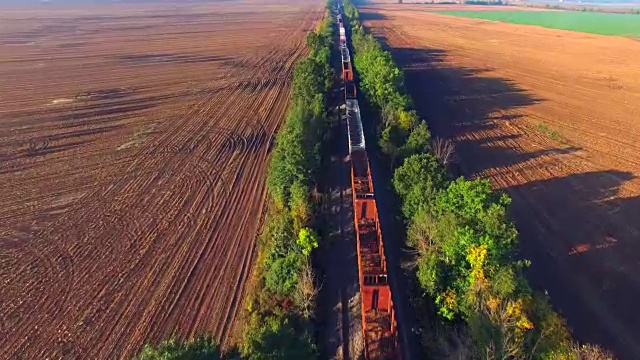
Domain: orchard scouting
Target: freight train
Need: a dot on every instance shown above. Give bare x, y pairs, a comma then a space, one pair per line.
378, 316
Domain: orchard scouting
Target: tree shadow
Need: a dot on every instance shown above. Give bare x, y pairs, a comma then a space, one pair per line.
497, 155
167, 58
452, 96
368, 15
584, 243
337, 255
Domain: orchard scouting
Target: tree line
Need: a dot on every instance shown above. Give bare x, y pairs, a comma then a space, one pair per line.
466, 245
281, 295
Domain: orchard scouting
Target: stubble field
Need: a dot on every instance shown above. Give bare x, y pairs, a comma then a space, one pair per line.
549, 116
133, 148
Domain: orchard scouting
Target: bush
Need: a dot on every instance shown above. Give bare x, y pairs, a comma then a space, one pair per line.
300, 205
281, 277
277, 337
307, 241
201, 348
417, 182
418, 142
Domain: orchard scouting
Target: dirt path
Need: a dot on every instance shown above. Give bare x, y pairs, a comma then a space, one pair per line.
131, 195
340, 303
340, 316
550, 117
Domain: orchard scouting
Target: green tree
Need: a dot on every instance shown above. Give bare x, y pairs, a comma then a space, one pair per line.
418, 142
299, 205
201, 348
277, 338
482, 211
417, 182
390, 141
283, 274
307, 241
474, 244
288, 161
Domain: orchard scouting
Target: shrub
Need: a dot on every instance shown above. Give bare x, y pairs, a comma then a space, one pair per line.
417, 182
300, 205
417, 142
201, 348
277, 337
281, 277
307, 241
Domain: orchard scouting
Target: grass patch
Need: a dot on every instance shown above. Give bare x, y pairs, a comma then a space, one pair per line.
138, 138
595, 23
550, 132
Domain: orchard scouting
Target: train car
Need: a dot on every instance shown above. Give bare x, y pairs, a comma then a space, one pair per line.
344, 54
347, 70
343, 34
346, 60
350, 91
355, 133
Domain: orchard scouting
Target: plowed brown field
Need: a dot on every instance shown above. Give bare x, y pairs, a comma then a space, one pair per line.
551, 117
133, 148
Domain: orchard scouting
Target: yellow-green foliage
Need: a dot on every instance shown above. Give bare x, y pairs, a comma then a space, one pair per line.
200, 348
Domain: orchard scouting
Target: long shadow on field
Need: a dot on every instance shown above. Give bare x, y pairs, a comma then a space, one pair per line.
584, 246
459, 101
367, 15
162, 58
452, 96
585, 250
497, 151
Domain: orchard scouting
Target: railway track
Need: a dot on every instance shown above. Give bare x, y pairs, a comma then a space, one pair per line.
380, 332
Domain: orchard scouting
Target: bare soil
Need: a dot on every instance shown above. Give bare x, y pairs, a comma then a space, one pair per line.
133, 148
549, 116
339, 310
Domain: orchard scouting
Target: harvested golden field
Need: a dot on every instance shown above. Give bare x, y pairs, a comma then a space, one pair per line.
551, 117
133, 147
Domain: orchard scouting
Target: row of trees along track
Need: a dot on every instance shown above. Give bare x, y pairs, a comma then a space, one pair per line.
281, 296
470, 290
